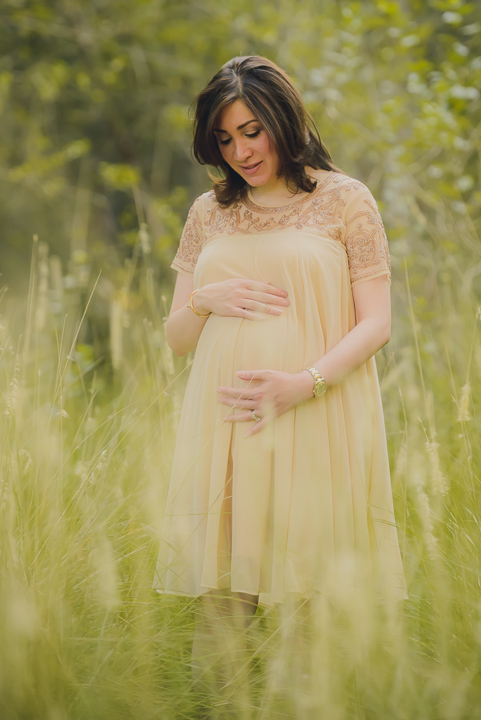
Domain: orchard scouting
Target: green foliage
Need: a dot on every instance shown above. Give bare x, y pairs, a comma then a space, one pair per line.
91, 93
119, 177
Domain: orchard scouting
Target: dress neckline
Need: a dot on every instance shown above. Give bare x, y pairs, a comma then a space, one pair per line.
289, 206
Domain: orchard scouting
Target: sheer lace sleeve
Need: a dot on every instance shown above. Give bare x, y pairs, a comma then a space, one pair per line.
191, 241
364, 238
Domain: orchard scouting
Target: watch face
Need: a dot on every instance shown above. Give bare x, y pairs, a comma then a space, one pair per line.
320, 389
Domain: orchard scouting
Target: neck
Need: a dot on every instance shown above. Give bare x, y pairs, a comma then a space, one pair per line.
275, 191
271, 192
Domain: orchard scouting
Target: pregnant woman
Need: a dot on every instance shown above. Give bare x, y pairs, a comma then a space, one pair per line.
280, 472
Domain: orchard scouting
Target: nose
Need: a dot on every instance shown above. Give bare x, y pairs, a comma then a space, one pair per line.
241, 150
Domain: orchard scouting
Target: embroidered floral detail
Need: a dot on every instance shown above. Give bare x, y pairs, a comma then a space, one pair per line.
293, 205
190, 242
365, 239
317, 210
340, 207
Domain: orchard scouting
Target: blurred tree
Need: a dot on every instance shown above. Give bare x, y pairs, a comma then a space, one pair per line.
94, 101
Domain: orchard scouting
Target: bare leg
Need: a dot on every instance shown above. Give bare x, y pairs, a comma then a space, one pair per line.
247, 604
220, 649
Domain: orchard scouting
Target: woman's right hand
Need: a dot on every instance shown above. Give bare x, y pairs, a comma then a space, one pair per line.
241, 297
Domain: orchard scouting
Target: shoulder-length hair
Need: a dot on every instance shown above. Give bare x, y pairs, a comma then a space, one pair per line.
272, 98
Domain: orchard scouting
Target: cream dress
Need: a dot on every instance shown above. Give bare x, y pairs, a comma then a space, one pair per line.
275, 514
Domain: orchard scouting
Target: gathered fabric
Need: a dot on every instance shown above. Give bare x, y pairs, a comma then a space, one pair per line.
279, 513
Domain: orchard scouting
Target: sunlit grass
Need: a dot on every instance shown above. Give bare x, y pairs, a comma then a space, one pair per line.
86, 455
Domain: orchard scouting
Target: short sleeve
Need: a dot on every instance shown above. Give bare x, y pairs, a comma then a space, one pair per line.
191, 241
365, 238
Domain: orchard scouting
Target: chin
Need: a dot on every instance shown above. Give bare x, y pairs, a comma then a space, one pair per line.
254, 182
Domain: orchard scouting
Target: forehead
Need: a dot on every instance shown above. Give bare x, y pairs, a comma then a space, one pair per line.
234, 115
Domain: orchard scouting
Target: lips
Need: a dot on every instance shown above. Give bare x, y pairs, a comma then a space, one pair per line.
251, 169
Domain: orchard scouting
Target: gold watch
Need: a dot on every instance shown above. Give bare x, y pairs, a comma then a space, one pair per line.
320, 385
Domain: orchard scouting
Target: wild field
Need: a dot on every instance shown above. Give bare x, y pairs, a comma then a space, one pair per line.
85, 467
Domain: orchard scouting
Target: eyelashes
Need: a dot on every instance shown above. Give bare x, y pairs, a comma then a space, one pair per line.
249, 135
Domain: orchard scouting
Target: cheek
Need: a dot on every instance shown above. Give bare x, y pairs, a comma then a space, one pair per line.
224, 151
270, 150
228, 154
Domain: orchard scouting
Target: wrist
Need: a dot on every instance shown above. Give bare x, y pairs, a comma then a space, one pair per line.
306, 384
320, 385
201, 301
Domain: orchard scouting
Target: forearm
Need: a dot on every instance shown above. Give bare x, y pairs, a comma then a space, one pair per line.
183, 330
355, 348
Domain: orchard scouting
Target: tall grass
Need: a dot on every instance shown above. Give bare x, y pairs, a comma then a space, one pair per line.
85, 465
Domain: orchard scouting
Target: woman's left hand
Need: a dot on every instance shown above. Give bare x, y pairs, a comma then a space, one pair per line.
276, 393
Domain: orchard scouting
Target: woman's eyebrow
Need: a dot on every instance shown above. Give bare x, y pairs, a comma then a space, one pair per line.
239, 128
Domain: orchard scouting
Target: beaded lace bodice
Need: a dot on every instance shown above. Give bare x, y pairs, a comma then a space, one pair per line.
341, 208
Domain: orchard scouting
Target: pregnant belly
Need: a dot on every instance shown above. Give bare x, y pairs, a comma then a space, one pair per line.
232, 344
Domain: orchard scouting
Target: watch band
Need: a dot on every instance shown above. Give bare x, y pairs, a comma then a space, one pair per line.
320, 385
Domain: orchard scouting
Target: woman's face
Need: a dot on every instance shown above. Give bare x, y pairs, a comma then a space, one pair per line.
246, 146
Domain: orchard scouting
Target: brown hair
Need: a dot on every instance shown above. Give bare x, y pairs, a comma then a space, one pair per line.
270, 95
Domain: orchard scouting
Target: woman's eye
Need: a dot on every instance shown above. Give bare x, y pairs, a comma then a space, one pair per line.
249, 135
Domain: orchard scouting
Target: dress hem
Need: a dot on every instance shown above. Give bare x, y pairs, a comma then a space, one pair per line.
273, 603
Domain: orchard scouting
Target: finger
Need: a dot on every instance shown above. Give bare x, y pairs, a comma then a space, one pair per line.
252, 374
265, 287
242, 312
261, 307
268, 298
269, 309
239, 417
257, 427
241, 393
235, 402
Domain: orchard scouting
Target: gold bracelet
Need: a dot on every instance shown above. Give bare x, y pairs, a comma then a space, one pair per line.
320, 385
190, 304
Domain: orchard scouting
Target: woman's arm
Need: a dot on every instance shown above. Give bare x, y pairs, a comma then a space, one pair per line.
372, 301
183, 327
274, 392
